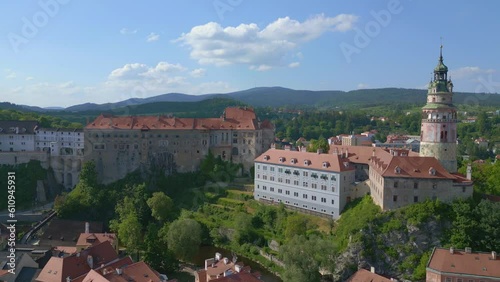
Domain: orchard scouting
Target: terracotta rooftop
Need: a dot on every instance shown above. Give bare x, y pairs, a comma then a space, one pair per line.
364, 275
135, 272
108, 268
299, 159
57, 269
62, 232
90, 239
411, 167
239, 277
462, 262
235, 118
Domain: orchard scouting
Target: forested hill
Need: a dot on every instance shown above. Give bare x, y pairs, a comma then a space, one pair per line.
279, 97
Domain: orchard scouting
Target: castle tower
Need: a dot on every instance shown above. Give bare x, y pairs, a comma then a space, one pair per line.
439, 120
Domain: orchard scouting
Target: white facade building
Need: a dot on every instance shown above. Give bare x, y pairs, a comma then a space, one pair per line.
17, 136
65, 147
312, 182
60, 142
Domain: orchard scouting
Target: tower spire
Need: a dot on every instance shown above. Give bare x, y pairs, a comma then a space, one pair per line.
441, 53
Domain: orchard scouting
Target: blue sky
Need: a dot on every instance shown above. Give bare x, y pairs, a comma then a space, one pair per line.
66, 52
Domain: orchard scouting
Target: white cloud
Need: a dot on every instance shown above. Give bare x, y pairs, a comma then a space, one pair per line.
261, 67
134, 80
363, 86
128, 70
125, 31
469, 72
10, 74
198, 72
29, 78
294, 65
153, 37
163, 68
261, 49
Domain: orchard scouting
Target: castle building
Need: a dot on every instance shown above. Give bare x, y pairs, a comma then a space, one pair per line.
60, 149
439, 120
65, 148
315, 183
17, 136
120, 145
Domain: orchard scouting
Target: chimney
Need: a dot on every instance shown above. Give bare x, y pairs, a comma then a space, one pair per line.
68, 279
468, 250
90, 261
319, 151
303, 149
452, 250
469, 172
226, 260
346, 153
287, 147
372, 269
119, 271
237, 268
273, 146
87, 227
493, 255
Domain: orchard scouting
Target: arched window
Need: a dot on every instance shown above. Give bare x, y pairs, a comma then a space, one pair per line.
234, 151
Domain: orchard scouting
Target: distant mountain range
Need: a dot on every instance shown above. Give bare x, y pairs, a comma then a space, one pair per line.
279, 96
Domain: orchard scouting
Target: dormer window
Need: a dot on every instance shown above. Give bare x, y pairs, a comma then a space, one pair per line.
293, 161
282, 159
266, 157
432, 171
326, 164
307, 162
397, 170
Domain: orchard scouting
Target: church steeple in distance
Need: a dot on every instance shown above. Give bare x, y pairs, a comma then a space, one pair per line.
439, 119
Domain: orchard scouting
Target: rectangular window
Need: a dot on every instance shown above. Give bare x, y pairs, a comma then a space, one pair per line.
395, 184
287, 181
415, 185
323, 200
280, 191
272, 168
333, 202
304, 196
287, 192
296, 194
271, 189
313, 198
305, 173
395, 198
415, 199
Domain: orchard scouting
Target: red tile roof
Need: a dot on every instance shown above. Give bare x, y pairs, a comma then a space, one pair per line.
239, 277
235, 118
57, 269
474, 263
364, 275
136, 272
107, 268
316, 161
411, 167
90, 239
